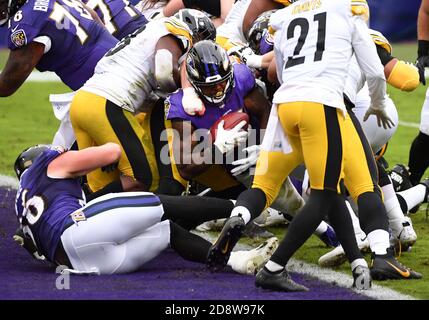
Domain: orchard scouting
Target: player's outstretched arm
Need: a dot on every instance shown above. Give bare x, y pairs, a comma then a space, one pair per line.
19, 66
73, 164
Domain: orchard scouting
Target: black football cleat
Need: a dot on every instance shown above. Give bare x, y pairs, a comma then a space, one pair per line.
277, 281
362, 278
386, 267
219, 252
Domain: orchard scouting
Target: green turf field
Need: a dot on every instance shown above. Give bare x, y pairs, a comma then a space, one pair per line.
26, 119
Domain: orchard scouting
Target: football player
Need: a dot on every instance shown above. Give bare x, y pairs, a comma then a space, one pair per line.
418, 160
141, 63
118, 16
117, 233
312, 75
59, 36
225, 87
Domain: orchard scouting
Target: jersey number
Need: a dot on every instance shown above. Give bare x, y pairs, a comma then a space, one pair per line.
33, 207
304, 25
125, 41
107, 15
63, 17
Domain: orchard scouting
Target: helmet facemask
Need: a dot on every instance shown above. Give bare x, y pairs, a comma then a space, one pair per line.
8, 8
210, 72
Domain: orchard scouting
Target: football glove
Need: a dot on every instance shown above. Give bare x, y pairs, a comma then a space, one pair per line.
383, 118
192, 103
422, 63
27, 243
226, 140
243, 164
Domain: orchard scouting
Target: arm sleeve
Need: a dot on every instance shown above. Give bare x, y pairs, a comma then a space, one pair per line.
384, 55
369, 62
210, 6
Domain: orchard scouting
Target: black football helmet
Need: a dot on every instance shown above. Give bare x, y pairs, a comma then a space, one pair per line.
259, 27
27, 157
200, 24
8, 8
210, 71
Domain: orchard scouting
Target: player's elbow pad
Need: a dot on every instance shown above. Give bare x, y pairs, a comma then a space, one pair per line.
164, 70
404, 76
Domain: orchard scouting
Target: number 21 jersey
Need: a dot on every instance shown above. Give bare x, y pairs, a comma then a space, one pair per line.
313, 45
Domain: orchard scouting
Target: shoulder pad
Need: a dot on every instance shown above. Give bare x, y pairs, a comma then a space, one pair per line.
284, 2
380, 40
360, 8
179, 29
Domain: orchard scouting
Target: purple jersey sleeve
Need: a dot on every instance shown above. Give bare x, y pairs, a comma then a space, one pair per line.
244, 83
76, 41
27, 25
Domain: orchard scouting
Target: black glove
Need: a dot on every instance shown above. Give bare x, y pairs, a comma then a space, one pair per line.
110, 167
27, 243
423, 59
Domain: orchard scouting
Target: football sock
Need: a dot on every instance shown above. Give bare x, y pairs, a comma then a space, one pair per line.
340, 220
372, 213
253, 200
379, 241
393, 208
188, 245
355, 221
191, 211
303, 225
358, 262
241, 212
321, 229
418, 159
273, 267
413, 196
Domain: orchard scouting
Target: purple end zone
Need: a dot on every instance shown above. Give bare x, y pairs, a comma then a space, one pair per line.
167, 277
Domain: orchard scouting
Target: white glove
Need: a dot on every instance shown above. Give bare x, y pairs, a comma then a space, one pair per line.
383, 118
226, 140
192, 103
247, 56
243, 164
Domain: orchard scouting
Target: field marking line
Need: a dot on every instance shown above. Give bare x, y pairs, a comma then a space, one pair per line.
330, 276
327, 275
409, 124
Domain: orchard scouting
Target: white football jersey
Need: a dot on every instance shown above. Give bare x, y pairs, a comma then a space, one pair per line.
356, 78
232, 28
314, 43
126, 74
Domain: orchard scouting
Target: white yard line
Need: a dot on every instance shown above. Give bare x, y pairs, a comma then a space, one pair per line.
37, 76
409, 124
333, 277
338, 278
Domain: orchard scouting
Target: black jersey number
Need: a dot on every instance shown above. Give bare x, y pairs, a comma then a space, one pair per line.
304, 25
125, 41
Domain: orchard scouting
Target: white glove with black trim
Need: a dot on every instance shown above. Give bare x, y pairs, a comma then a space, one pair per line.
226, 140
247, 56
192, 103
243, 164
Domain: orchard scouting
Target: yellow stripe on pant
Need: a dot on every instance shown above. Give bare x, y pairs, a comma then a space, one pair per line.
89, 115
326, 141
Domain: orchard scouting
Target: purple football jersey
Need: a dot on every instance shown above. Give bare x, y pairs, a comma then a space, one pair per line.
49, 203
244, 83
77, 42
119, 16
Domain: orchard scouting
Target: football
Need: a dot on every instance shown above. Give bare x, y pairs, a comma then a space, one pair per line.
231, 120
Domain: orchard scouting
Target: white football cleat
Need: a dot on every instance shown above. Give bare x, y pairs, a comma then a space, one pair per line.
337, 256
405, 237
251, 261
270, 217
213, 225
